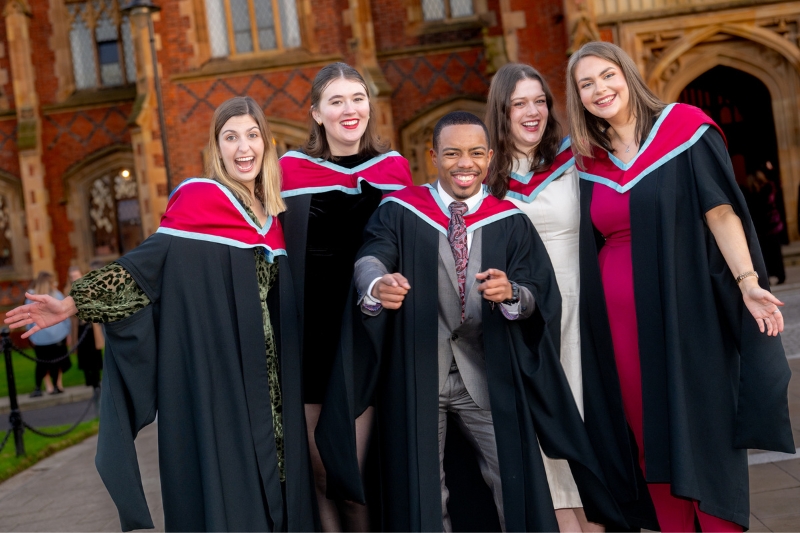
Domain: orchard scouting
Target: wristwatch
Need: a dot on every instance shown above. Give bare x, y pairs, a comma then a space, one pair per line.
514, 294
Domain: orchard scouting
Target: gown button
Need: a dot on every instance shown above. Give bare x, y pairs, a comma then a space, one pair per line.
453, 337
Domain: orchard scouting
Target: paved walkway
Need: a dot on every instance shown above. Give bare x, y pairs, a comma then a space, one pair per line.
65, 493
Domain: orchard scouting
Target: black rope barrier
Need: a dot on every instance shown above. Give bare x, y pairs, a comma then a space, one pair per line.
60, 433
5, 439
51, 361
18, 425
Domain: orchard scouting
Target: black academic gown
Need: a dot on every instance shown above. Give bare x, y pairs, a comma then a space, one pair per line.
196, 356
713, 385
398, 367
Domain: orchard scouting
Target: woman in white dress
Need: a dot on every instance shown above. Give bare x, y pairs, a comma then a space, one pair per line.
534, 168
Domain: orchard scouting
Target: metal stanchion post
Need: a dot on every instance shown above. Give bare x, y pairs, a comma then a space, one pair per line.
15, 418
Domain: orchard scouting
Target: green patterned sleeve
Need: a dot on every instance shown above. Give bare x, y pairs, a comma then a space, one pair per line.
107, 295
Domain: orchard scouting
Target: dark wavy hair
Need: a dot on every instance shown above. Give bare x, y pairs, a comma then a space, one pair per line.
498, 110
317, 143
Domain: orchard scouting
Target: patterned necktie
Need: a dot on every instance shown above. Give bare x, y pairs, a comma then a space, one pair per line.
457, 235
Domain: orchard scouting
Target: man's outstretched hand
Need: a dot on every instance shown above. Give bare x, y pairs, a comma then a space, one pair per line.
391, 290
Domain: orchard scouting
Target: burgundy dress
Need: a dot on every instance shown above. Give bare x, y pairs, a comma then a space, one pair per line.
611, 216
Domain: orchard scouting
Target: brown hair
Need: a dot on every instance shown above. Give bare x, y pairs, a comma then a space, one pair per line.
498, 109
317, 143
588, 130
268, 181
43, 284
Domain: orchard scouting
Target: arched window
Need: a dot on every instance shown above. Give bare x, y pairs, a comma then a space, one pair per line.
14, 259
104, 205
114, 218
101, 44
237, 27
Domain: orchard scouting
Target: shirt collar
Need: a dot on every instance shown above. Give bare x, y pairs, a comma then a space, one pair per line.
471, 202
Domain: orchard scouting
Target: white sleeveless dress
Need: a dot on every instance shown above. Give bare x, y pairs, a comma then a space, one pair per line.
555, 213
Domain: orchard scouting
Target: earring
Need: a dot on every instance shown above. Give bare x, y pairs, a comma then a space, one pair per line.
319, 123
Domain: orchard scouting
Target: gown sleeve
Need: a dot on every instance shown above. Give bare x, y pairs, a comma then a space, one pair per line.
107, 295
129, 401
762, 418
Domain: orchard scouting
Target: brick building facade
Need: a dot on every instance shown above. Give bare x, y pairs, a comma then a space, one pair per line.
82, 172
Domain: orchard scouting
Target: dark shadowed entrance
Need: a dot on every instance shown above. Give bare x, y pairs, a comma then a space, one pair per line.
742, 106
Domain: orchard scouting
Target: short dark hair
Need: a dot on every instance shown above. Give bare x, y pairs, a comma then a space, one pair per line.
457, 118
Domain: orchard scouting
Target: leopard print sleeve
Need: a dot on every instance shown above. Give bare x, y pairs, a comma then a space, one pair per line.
107, 295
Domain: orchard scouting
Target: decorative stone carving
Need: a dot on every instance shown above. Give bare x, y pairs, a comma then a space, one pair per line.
581, 23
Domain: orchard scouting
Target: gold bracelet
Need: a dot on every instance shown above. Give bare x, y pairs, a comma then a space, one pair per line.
747, 274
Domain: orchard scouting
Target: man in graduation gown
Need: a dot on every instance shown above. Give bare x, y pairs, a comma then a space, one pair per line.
712, 384
463, 317
196, 356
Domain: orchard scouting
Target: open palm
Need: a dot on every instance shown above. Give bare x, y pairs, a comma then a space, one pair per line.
763, 305
43, 311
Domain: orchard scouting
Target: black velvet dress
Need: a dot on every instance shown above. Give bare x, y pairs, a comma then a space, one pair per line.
333, 222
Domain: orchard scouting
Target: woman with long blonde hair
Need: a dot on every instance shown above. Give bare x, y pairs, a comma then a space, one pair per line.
678, 325
201, 328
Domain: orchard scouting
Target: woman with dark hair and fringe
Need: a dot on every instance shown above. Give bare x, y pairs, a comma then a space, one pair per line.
680, 331
331, 188
201, 328
533, 167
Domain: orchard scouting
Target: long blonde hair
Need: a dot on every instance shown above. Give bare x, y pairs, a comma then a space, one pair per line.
44, 284
268, 181
587, 130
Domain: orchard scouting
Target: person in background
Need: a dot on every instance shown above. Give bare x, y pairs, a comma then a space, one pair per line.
679, 329
533, 167
50, 344
88, 337
759, 192
331, 187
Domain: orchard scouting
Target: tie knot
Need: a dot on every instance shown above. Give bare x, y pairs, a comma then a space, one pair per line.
458, 208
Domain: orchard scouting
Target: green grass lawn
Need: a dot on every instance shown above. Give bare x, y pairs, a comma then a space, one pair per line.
24, 373
38, 448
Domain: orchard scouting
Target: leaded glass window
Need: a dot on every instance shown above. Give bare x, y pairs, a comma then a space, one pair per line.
250, 26
101, 44
446, 9
114, 217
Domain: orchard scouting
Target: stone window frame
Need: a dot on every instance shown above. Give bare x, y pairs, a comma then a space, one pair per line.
11, 188
416, 25
76, 183
126, 53
307, 39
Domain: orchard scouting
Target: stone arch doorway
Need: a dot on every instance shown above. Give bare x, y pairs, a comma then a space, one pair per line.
741, 105
673, 66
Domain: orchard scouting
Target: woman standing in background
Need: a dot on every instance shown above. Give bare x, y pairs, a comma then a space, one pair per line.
51, 344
